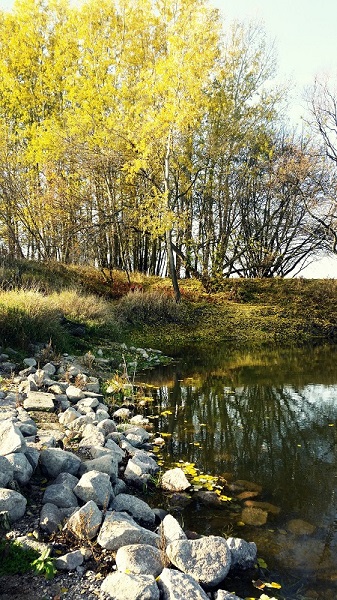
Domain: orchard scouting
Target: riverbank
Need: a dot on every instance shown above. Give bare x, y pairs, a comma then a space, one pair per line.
73, 466
80, 308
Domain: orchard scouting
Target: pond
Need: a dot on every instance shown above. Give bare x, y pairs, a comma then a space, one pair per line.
265, 422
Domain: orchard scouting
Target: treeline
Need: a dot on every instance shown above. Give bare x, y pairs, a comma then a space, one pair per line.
145, 135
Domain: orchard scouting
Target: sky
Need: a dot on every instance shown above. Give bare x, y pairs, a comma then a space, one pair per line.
305, 38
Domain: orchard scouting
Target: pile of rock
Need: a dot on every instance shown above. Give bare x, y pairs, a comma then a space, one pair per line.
91, 490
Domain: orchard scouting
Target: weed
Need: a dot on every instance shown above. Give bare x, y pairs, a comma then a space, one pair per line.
44, 565
15, 558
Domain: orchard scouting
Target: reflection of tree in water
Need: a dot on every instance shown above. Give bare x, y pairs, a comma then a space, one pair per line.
277, 436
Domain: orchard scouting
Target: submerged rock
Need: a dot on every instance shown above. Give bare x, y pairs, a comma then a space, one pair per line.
300, 527
254, 516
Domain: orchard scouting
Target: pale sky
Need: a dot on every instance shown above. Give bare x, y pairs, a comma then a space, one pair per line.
304, 33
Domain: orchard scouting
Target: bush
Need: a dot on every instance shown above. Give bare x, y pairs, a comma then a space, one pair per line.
150, 308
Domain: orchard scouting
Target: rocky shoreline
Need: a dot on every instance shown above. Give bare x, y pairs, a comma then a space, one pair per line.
71, 467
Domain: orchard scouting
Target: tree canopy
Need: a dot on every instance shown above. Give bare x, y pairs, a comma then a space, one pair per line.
142, 135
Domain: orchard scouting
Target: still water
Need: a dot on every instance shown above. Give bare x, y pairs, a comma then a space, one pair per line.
268, 417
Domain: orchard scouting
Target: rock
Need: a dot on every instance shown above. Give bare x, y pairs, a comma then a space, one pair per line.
33, 455
74, 393
49, 369
243, 554
39, 401
6, 471
139, 433
67, 479
105, 464
29, 362
50, 518
122, 586
175, 480
224, 595
247, 485
254, 516
91, 437
11, 438
107, 426
208, 498
86, 521
60, 495
87, 403
101, 415
115, 449
140, 468
13, 502
136, 507
300, 527
122, 413
95, 486
68, 416
208, 559
69, 561
139, 559
22, 469
119, 529
174, 585
55, 461
270, 508
171, 530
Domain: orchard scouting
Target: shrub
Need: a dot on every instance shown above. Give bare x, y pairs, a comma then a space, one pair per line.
150, 308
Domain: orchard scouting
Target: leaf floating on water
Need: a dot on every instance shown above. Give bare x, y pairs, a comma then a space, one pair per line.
331, 425
274, 585
262, 563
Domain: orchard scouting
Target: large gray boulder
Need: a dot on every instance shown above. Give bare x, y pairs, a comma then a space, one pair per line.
119, 529
6, 471
207, 559
50, 518
55, 461
140, 468
136, 507
60, 495
86, 521
13, 503
11, 438
22, 469
174, 585
125, 586
139, 559
105, 464
243, 553
95, 486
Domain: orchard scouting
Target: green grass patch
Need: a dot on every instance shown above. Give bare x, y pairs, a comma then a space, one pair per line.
15, 559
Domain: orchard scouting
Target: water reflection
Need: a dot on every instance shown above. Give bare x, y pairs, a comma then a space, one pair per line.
270, 417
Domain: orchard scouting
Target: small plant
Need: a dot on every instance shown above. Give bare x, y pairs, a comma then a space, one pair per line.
44, 565
15, 558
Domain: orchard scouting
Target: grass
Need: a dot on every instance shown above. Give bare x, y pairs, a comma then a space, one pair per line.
15, 559
37, 299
